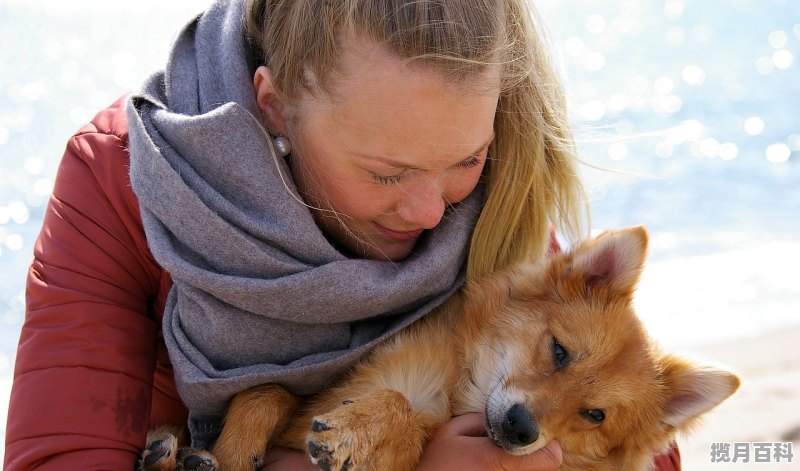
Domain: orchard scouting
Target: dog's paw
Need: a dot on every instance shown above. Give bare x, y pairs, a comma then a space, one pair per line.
337, 441
190, 459
160, 452
362, 434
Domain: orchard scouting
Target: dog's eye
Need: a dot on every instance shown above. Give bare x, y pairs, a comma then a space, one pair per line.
594, 415
560, 355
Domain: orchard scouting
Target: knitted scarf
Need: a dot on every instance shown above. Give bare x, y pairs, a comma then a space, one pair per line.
260, 295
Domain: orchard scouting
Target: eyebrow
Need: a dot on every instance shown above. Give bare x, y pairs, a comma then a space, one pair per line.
402, 165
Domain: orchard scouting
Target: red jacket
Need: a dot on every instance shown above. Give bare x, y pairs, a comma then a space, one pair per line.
92, 372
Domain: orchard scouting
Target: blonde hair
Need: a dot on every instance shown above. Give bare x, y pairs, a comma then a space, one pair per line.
532, 180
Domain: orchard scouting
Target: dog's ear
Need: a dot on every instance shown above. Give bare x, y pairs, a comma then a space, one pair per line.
614, 259
692, 390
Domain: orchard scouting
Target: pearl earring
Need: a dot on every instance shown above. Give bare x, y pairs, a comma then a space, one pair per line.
282, 146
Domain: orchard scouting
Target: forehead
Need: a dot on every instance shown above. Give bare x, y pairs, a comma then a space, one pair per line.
363, 61
603, 330
607, 327
386, 106
613, 361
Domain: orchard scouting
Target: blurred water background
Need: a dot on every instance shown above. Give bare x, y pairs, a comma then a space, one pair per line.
691, 108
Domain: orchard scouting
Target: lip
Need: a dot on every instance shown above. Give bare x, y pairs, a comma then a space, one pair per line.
399, 236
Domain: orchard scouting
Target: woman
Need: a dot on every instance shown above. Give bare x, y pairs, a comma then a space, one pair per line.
306, 178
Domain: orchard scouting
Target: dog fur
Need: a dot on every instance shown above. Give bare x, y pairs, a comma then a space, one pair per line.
550, 350
167, 450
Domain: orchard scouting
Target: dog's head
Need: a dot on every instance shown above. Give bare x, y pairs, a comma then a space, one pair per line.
561, 355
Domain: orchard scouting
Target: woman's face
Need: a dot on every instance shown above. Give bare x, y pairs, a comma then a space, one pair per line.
379, 160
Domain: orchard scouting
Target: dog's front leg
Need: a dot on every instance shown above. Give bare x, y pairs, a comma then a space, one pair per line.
253, 419
380, 417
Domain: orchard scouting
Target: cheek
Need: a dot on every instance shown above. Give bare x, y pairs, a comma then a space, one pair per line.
355, 197
489, 363
330, 183
461, 183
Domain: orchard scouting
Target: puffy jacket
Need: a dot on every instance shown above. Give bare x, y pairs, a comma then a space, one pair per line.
92, 372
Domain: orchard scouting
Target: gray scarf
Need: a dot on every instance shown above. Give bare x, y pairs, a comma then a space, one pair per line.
260, 295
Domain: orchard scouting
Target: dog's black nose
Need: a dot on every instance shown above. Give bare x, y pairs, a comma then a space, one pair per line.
519, 427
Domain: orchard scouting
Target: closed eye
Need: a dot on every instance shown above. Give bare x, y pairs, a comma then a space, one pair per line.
388, 179
560, 355
593, 415
471, 162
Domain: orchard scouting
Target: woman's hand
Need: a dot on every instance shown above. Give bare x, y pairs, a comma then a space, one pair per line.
284, 459
461, 445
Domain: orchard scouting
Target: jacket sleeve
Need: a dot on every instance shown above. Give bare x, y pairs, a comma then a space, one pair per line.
84, 368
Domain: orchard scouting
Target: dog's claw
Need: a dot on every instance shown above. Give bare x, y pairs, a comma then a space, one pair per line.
315, 449
196, 463
156, 445
321, 454
190, 459
158, 451
318, 426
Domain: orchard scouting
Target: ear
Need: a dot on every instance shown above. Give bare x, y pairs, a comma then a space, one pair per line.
614, 259
270, 101
693, 390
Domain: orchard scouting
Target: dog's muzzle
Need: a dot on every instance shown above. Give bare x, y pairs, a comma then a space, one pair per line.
514, 429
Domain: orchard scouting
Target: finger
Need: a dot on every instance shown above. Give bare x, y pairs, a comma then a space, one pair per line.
279, 458
547, 458
470, 425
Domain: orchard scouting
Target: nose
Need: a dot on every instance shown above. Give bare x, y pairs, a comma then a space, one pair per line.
423, 205
519, 427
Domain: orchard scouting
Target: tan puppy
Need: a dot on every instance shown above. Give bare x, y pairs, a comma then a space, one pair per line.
548, 350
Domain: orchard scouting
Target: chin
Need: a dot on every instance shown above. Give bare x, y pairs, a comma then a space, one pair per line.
395, 252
